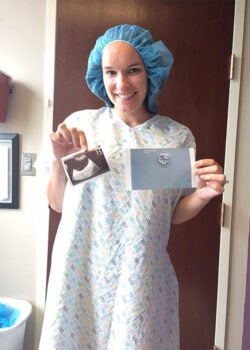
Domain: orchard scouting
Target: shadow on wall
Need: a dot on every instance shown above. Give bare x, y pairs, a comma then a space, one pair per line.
32, 334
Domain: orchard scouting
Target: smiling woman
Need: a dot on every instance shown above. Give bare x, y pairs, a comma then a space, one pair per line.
182, 25
156, 58
126, 82
112, 284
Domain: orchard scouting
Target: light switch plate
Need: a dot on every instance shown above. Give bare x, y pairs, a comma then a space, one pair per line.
28, 164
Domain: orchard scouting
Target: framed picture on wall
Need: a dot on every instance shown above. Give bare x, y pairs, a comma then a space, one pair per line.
9, 170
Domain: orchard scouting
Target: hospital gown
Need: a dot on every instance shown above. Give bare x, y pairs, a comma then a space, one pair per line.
112, 285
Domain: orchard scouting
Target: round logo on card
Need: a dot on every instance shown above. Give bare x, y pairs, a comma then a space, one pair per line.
164, 159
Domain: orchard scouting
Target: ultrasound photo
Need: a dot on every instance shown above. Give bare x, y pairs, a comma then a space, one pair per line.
84, 165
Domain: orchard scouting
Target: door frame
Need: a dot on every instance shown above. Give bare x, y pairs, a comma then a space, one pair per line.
229, 166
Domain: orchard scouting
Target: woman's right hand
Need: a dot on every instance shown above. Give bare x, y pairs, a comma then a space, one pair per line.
67, 140
64, 141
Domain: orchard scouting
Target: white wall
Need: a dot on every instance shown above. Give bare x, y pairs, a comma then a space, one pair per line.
23, 235
22, 40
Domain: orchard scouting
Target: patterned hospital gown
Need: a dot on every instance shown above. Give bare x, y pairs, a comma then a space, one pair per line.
112, 285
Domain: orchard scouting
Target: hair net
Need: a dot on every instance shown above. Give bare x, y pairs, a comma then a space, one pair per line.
156, 56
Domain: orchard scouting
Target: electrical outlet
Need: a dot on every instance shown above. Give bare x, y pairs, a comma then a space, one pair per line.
28, 164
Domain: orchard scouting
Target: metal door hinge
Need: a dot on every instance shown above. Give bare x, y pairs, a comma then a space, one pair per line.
232, 64
222, 214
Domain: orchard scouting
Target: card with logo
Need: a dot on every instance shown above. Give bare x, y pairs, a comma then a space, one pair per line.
160, 168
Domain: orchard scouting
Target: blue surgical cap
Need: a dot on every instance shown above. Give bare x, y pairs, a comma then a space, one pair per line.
156, 56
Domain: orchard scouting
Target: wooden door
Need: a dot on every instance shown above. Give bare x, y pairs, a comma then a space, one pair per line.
199, 33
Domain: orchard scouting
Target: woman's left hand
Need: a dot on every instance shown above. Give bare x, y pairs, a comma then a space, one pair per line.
210, 178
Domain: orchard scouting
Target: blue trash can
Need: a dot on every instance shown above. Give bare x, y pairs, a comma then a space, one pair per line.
14, 314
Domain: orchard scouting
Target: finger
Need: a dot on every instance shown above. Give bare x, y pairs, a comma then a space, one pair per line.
64, 133
57, 138
214, 169
78, 138
220, 179
74, 132
83, 140
207, 167
205, 162
216, 186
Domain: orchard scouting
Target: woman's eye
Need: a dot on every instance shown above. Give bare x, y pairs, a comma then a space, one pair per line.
134, 70
110, 72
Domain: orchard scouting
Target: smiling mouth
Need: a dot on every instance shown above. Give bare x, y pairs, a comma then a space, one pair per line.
125, 96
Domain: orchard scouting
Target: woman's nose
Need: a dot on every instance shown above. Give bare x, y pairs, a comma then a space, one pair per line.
122, 80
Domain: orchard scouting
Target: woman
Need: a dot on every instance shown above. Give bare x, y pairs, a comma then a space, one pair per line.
112, 284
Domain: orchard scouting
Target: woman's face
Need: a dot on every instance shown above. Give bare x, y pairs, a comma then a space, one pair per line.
125, 79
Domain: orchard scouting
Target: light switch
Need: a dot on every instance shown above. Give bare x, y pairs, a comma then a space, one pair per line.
28, 164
